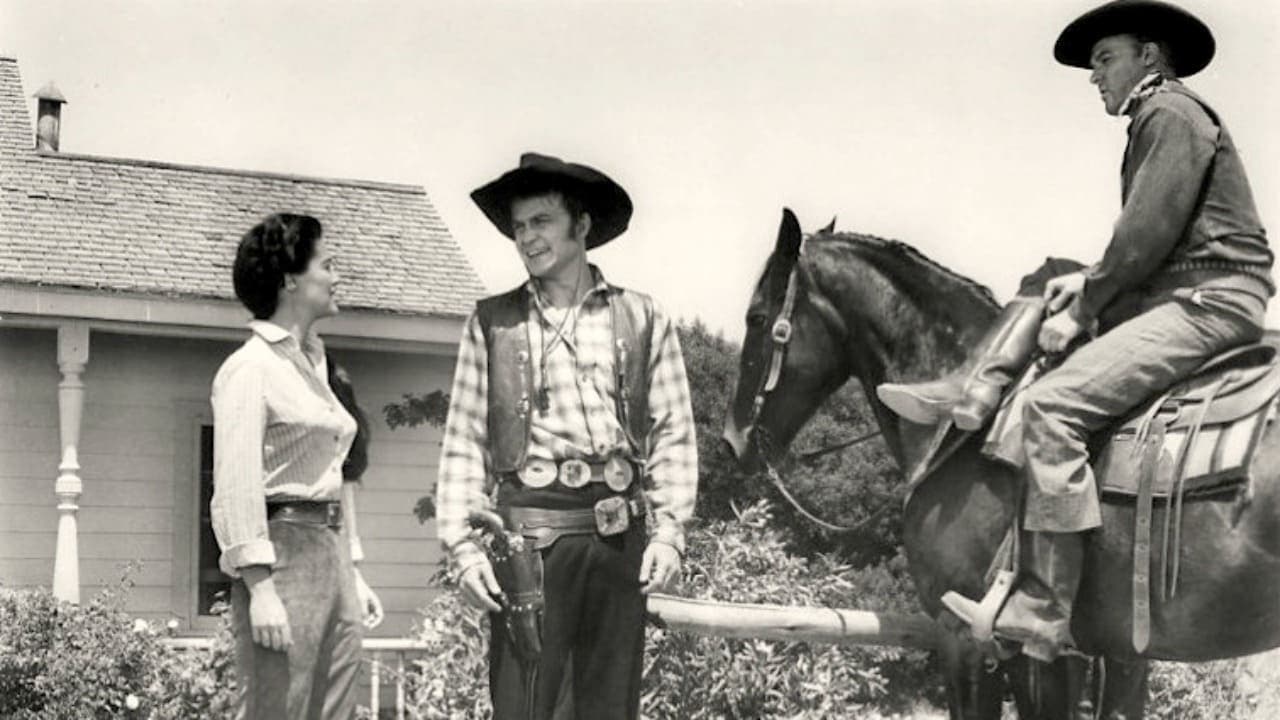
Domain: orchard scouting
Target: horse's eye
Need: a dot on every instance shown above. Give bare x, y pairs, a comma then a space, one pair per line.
755, 320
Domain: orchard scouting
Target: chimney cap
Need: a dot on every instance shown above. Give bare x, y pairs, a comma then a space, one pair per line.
50, 92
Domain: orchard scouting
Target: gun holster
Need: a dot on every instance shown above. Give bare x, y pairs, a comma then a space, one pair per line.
517, 565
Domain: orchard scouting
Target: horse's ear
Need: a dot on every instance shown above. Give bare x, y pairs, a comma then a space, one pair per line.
830, 228
789, 236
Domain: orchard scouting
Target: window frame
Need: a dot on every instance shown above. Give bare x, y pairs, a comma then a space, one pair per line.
190, 417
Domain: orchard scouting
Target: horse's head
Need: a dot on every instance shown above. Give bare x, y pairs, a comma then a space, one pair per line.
792, 354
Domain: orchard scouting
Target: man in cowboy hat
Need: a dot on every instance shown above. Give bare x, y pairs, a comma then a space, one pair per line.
570, 407
1187, 274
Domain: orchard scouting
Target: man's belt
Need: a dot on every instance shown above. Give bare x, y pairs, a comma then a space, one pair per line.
618, 473
327, 513
610, 516
1191, 273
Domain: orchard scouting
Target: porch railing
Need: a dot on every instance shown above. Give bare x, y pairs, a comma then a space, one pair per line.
386, 658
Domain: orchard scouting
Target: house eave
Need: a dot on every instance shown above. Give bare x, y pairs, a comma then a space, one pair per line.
44, 306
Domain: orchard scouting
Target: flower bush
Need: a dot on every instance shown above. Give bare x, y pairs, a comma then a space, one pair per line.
59, 661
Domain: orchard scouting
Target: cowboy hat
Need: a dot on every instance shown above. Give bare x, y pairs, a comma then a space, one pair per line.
605, 200
1189, 39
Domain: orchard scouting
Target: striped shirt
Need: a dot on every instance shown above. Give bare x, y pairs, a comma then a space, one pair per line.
279, 434
580, 420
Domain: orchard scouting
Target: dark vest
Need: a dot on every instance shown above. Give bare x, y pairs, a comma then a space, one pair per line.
504, 322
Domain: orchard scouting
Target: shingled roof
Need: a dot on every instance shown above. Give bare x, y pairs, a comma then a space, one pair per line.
140, 227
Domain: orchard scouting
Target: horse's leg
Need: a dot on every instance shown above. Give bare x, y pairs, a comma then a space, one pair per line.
1055, 691
973, 691
1124, 688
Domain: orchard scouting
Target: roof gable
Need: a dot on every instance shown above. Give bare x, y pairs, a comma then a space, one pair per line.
135, 226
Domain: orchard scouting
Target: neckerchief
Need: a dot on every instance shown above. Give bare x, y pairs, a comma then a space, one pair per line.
1146, 87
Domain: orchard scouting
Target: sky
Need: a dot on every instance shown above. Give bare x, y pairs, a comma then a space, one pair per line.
945, 124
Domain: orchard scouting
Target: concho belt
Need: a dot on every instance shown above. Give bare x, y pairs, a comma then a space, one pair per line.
616, 472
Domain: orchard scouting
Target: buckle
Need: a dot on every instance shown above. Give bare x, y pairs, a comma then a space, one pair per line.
538, 473
618, 474
781, 331
333, 515
613, 516
575, 473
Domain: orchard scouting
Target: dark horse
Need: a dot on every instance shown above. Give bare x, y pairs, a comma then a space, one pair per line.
879, 311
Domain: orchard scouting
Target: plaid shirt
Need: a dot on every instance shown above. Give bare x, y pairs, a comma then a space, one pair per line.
580, 421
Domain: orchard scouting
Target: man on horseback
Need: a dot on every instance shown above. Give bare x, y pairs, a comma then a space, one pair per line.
1187, 275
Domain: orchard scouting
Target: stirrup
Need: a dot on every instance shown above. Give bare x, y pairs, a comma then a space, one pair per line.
981, 616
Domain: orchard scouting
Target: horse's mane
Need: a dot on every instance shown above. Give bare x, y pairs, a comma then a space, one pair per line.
901, 256
932, 313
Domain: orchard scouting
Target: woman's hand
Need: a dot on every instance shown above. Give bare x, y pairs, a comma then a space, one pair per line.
267, 617
370, 605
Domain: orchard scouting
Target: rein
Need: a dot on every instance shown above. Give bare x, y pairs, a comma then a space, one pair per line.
778, 339
776, 478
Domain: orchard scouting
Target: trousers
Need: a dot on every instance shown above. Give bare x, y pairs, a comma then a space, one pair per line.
1171, 334
592, 634
315, 679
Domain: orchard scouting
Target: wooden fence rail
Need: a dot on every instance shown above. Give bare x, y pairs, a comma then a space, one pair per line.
793, 624
386, 656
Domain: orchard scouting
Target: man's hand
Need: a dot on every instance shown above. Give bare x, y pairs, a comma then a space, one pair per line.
1058, 331
268, 620
479, 586
659, 567
370, 605
1062, 291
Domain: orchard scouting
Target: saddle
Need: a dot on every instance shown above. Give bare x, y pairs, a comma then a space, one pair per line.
1196, 439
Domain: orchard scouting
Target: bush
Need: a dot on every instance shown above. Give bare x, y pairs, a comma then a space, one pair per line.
694, 677
1196, 691
59, 660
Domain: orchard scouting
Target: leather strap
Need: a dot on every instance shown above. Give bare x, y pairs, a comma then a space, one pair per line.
1173, 553
1153, 446
544, 526
310, 512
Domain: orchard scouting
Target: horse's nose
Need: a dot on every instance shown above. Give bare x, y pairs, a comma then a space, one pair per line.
735, 438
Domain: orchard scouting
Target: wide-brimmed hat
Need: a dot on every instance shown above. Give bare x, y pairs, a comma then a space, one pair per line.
1189, 39
605, 200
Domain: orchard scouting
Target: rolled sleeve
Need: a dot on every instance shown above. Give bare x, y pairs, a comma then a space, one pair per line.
460, 486
238, 510
673, 448
1169, 156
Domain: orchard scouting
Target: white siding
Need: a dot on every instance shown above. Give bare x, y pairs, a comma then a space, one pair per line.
144, 400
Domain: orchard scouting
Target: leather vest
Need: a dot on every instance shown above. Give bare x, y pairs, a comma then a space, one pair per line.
504, 320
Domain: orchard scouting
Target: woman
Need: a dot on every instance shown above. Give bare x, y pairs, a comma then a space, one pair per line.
280, 440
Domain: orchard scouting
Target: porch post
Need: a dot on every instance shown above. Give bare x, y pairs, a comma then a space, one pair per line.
73, 356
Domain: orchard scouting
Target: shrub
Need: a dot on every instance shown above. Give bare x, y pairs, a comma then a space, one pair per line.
1196, 691
59, 660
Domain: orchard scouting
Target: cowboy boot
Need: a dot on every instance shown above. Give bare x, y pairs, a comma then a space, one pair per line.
1038, 613
972, 393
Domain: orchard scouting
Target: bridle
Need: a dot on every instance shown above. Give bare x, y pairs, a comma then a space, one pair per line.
778, 339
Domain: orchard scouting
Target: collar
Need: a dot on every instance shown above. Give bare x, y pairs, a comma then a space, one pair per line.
269, 331
1146, 87
599, 286
274, 334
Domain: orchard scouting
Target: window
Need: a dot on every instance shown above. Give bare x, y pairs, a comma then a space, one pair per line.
211, 584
